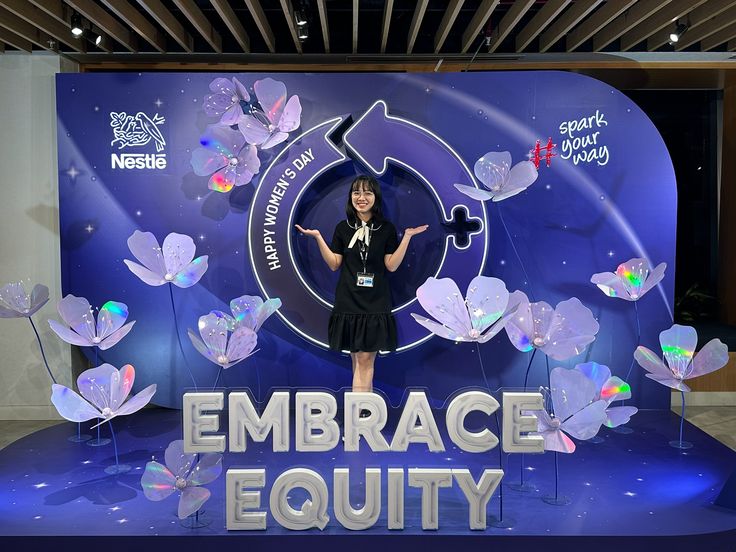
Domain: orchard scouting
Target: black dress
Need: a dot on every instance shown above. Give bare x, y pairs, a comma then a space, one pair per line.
361, 319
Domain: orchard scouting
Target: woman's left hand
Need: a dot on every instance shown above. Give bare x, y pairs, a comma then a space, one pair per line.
414, 231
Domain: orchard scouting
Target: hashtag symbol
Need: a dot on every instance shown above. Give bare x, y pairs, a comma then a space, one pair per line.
540, 152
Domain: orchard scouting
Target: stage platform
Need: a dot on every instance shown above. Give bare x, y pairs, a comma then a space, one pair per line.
628, 492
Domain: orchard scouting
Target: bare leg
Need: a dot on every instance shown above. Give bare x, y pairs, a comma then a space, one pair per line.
363, 371
354, 359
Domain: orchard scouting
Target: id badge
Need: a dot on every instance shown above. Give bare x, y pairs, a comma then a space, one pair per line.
365, 279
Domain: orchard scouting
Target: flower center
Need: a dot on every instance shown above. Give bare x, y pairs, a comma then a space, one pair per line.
234, 99
168, 277
233, 161
555, 423
106, 412
221, 359
96, 340
538, 341
474, 333
180, 483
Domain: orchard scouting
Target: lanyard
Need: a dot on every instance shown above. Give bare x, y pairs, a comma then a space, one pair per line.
362, 235
363, 247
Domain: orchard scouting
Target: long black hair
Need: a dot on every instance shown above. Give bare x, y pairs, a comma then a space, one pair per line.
365, 183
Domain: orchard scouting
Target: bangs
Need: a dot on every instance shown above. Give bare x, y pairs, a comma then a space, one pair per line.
363, 185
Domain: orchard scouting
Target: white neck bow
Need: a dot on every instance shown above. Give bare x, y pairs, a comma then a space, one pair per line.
363, 233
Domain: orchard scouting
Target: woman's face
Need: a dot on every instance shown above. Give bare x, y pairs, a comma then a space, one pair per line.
363, 199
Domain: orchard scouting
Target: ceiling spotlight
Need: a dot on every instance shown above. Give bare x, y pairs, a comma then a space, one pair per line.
678, 32
92, 36
303, 32
300, 18
76, 23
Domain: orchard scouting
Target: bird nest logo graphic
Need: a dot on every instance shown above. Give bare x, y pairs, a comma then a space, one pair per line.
135, 131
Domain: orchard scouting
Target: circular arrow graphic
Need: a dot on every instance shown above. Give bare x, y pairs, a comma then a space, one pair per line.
375, 139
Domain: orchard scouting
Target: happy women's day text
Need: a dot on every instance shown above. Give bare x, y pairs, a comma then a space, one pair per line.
317, 431
270, 246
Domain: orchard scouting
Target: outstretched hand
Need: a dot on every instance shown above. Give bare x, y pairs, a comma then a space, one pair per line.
308, 231
414, 231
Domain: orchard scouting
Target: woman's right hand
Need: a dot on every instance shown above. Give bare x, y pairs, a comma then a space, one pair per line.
308, 231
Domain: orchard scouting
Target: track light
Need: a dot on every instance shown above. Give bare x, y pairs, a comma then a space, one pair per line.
76, 24
300, 18
677, 33
81, 28
92, 36
303, 32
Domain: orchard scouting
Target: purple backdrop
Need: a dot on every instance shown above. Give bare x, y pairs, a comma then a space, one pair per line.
608, 196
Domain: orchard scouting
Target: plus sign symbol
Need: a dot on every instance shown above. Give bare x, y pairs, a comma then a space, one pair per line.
461, 227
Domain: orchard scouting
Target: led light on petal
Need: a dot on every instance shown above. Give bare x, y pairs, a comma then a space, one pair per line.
632, 279
622, 389
678, 345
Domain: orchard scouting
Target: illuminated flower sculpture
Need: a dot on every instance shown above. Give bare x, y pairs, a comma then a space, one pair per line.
226, 157
218, 345
82, 330
16, 303
104, 392
174, 263
270, 125
678, 346
560, 333
499, 178
225, 101
576, 411
609, 388
478, 317
249, 311
183, 472
631, 280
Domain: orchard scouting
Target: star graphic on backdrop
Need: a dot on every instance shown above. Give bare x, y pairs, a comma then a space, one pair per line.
158, 103
72, 172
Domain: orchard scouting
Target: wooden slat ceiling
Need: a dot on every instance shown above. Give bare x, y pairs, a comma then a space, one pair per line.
366, 27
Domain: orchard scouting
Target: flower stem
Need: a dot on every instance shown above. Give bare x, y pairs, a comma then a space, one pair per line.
114, 442
526, 381
482, 370
518, 257
500, 467
557, 477
531, 359
682, 416
638, 342
217, 379
178, 336
40, 346
258, 382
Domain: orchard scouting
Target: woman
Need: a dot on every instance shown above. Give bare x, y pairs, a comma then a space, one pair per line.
364, 245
